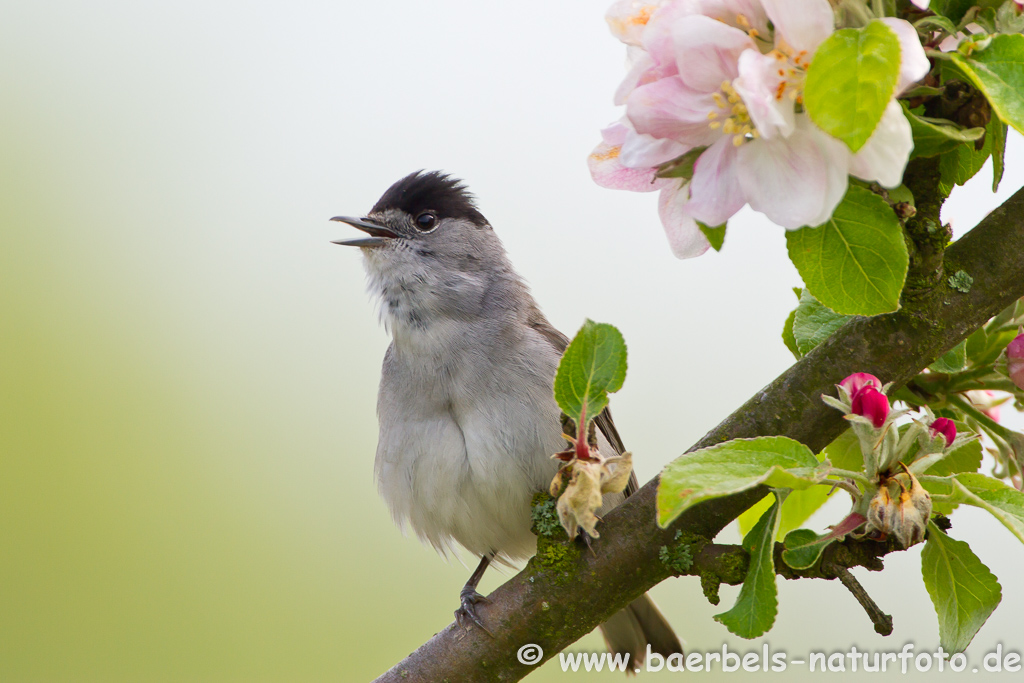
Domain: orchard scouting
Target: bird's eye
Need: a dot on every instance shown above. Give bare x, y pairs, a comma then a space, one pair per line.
426, 221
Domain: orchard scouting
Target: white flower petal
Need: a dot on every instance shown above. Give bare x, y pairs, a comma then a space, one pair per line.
644, 151
913, 62
668, 109
715, 191
707, 52
627, 18
921, 4
772, 112
684, 237
794, 181
729, 12
639, 63
884, 156
804, 24
607, 171
836, 175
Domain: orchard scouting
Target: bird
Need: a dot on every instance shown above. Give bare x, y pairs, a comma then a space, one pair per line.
467, 416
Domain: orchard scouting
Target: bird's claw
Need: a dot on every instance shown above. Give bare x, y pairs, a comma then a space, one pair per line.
467, 610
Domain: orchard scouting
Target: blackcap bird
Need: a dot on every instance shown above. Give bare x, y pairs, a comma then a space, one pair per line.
468, 419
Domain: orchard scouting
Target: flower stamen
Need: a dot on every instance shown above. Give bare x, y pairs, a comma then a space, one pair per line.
732, 117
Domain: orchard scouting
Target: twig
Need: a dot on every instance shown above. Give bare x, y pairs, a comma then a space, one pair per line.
881, 620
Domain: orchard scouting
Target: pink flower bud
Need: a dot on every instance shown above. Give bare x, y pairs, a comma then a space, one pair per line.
945, 427
1015, 360
872, 404
858, 381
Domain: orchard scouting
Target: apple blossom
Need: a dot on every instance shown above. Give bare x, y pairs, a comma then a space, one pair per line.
723, 79
987, 402
627, 160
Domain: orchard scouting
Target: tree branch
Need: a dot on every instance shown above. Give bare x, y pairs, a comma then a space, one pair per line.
563, 593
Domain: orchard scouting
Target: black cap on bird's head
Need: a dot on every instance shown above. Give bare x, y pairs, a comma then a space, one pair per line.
425, 198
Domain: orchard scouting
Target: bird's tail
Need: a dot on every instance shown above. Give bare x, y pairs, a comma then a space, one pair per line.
634, 628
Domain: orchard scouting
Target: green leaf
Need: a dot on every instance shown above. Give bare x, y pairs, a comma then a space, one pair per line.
757, 604
715, 235
998, 71
996, 344
962, 164
977, 343
855, 263
845, 452
901, 193
1008, 18
966, 458
593, 365
851, 80
734, 466
681, 166
936, 22
996, 132
1003, 502
942, 487
962, 589
787, 335
804, 547
937, 136
796, 509
956, 9
814, 323
953, 360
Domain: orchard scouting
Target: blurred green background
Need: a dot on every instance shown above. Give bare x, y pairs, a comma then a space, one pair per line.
188, 368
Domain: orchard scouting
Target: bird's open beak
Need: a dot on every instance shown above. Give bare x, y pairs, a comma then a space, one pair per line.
379, 234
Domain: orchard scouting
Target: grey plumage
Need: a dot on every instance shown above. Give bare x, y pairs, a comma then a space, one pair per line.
467, 417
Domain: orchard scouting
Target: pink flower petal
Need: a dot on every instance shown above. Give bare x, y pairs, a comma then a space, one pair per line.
914, 63
758, 85
858, 381
607, 171
707, 52
684, 237
627, 18
884, 156
921, 4
615, 133
715, 191
668, 109
804, 25
795, 181
730, 11
644, 151
640, 70
657, 38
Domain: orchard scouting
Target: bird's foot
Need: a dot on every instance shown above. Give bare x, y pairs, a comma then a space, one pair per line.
467, 610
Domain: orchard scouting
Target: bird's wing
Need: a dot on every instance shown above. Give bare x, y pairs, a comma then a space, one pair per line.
604, 420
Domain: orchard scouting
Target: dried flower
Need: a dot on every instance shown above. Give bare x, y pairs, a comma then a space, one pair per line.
915, 507
589, 479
